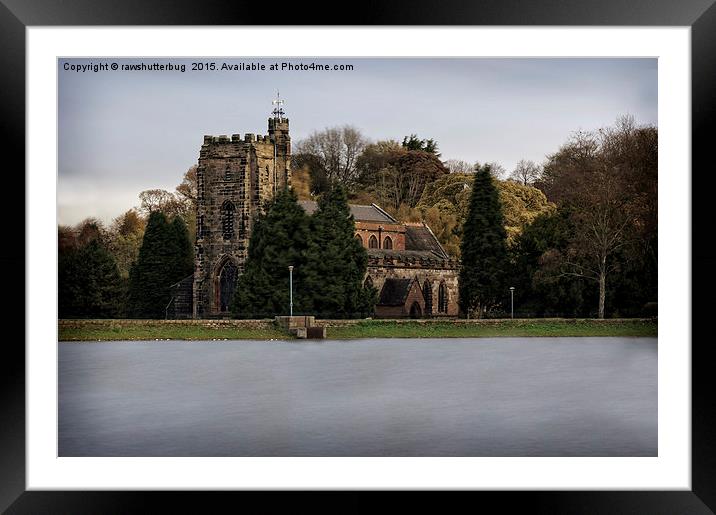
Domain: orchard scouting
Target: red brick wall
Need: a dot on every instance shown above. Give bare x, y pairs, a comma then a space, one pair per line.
396, 232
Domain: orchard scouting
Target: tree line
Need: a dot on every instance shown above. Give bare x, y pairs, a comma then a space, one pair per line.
580, 229
575, 236
594, 255
91, 282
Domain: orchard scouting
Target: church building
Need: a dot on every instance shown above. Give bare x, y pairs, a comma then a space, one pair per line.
413, 274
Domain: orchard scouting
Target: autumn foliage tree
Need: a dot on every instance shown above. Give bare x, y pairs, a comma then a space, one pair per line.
450, 196
124, 239
396, 175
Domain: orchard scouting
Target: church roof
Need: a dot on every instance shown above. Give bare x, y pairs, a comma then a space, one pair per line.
372, 213
420, 241
395, 292
422, 258
420, 237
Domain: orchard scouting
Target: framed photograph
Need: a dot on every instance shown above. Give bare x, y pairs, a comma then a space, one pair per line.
490, 184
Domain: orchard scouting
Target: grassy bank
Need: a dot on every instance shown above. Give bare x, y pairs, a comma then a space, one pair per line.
103, 330
492, 328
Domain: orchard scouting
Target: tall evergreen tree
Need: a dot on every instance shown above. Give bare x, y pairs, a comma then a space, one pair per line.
336, 262
89, 284
483, 248
155, 270
184, 257
278, 240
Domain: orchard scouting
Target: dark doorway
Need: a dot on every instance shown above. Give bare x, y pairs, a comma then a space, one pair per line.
415, 310
227, 285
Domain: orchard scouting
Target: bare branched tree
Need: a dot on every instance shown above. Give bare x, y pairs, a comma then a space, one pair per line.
496, 169
170, 204
391, 186
526, 172
337, 150
607, 180
604, 219
458, 166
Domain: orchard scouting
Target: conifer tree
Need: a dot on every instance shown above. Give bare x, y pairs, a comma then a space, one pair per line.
278, 240
89, 283
336, 262
184, 257
483, 248
155, 270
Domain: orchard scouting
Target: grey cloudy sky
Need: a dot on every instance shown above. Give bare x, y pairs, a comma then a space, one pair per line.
121, 132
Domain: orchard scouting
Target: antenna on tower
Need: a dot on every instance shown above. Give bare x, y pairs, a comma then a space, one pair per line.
278, 110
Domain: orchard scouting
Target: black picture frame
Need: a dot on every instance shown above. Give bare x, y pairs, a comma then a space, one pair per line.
700, 15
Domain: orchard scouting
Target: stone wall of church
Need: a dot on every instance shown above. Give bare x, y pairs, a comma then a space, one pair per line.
445, 272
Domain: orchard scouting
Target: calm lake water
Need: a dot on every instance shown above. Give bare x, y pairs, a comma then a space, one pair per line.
393, 397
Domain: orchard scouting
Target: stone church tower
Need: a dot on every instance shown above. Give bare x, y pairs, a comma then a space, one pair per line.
235, 178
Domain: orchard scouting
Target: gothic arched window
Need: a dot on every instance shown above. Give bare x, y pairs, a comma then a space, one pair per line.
388, 243
428, 294
373, 242
359, 239
227, 285
442, 298
368, 283
227, 219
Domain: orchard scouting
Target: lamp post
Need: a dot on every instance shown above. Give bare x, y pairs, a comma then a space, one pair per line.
290, 287
512, 302
166, 309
